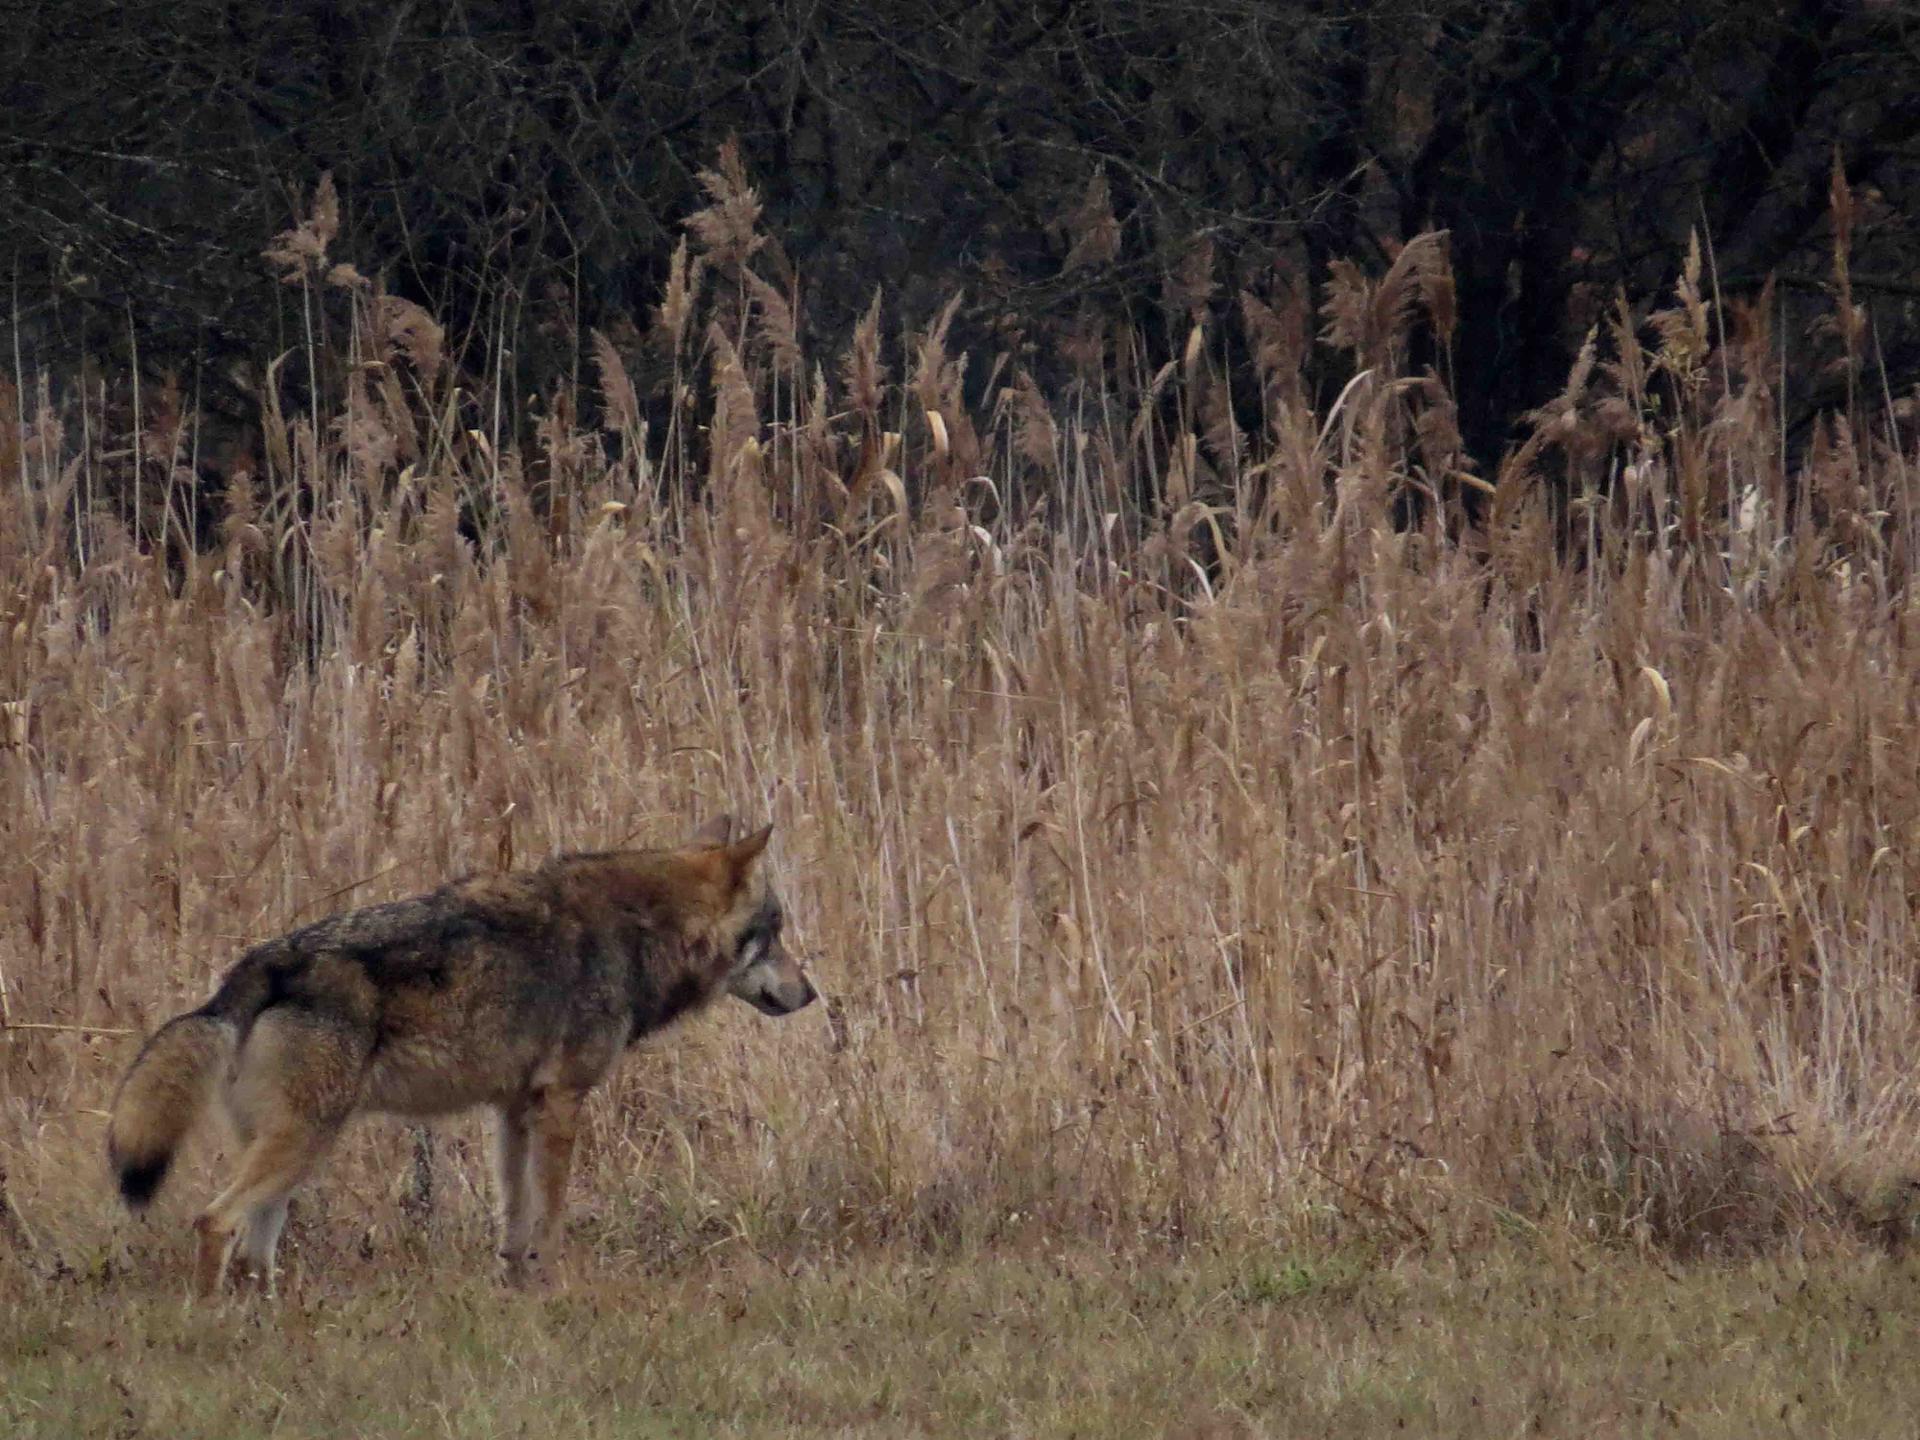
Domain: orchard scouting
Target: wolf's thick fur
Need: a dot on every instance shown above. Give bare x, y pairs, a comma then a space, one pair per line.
515, 991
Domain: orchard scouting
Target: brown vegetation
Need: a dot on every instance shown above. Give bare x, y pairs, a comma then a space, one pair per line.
1196, 825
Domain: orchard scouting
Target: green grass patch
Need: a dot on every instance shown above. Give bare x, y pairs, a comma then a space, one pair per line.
1052, 1343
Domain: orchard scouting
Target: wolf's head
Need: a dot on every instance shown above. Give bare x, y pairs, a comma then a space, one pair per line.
761, 971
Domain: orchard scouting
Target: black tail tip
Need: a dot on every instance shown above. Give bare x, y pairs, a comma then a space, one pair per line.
138, 1182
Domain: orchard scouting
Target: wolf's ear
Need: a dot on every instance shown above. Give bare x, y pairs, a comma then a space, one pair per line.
742, 853
715, 833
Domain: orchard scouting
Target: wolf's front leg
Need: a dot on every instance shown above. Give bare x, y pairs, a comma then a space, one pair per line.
555, 1121
511, 1179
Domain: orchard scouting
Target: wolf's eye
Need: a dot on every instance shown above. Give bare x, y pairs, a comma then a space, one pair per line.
760, 934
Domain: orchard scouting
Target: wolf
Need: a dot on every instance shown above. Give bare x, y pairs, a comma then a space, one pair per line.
517, 991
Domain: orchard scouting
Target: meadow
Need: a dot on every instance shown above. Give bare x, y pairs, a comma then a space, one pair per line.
1313, 935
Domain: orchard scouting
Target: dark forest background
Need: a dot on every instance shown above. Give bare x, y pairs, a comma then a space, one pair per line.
523, 170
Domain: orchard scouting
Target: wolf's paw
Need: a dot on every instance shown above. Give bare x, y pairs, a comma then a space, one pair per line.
530, 1271
515, 1269
251, 1279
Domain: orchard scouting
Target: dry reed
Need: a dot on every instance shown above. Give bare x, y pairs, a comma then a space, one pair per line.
1195, 826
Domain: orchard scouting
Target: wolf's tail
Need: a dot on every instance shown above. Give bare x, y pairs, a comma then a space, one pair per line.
168, 1084
161, 1096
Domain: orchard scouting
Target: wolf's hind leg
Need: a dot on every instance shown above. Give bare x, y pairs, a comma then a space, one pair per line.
247, 1215
298, 1077
259, 1237
259, 1241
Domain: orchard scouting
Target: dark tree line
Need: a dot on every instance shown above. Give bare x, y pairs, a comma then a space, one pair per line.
522, 168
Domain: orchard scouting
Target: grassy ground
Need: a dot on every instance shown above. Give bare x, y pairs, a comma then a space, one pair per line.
1523, 1338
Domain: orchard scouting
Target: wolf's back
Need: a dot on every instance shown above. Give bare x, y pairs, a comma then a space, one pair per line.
166, 1087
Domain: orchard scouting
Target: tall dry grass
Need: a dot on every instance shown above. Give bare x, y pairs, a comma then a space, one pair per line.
1195, 824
